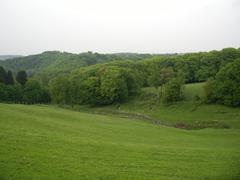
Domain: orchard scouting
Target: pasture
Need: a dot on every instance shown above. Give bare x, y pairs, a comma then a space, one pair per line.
46, 142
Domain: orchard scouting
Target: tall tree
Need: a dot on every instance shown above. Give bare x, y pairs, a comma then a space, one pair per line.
113, 86
159, 76
60, 90
21, 77
9, 78
173, 90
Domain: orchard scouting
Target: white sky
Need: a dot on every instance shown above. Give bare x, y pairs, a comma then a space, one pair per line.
107, 26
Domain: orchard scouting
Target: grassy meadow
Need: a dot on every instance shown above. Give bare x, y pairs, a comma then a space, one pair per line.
119, 90
190, 113
47, 142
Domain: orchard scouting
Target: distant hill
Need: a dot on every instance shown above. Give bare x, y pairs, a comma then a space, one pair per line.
5, 57
59, 62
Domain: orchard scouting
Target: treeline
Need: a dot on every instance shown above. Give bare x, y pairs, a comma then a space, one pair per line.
96, 85
20, 89
118, 81
114, 83
198, 67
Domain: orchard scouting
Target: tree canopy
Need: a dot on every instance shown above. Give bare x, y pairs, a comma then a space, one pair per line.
225, 88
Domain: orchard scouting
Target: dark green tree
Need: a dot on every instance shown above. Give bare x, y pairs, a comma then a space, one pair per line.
3, 93
17, 93
21, 77
9, 78
34, 93
2, 75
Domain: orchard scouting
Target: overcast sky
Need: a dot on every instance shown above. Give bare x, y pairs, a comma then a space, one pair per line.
107, 26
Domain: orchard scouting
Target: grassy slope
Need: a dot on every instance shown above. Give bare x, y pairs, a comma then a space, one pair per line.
44, 142
188, 112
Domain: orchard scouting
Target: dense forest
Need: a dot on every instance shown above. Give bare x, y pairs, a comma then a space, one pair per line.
51, 63
100, 79
20, 89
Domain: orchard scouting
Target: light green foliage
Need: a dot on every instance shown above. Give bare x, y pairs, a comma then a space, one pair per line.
174, 88
159, 76
60, 90
154, 77
44, 142
104, 84
91, 91
113, 86
173, 91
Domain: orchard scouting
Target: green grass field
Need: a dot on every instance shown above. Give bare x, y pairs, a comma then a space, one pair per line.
46, 142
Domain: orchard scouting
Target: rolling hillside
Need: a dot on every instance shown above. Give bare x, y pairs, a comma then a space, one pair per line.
39, 142
52, 62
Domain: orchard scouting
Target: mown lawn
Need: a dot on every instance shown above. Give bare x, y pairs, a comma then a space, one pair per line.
46, 142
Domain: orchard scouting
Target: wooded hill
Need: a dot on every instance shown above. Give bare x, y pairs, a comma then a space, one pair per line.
55, 62
197, 66
103, 79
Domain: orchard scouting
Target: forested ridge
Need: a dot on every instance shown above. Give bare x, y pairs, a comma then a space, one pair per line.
102, 79
55, 62
198, 66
